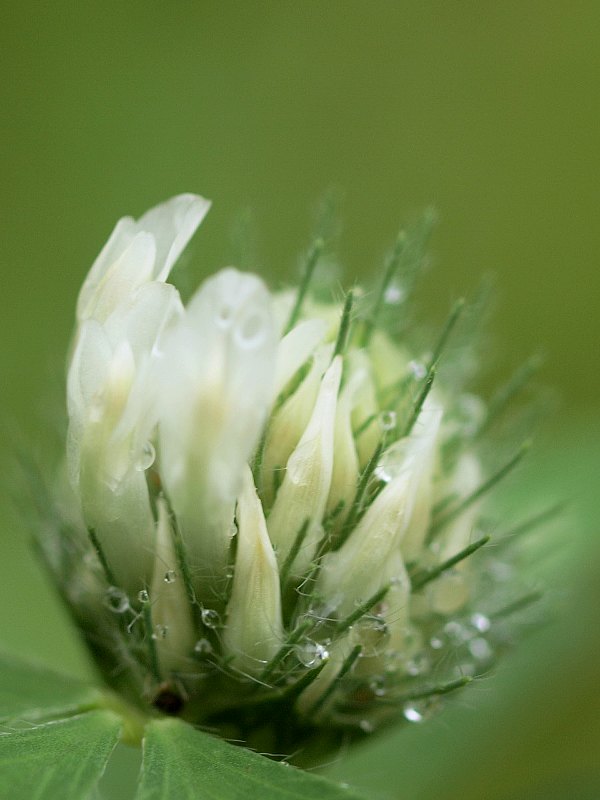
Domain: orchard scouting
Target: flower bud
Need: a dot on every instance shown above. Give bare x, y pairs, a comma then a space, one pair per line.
302, 498
272, 499
254, 629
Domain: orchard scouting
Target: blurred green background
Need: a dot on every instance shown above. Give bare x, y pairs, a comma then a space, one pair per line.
488, 111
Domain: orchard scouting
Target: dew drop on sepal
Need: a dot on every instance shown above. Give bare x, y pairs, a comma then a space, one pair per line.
203, 647
116, 600
210, 618
310, 653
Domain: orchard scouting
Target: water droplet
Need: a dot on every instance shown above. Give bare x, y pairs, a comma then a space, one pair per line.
417, 369
456, 632
160, 632
480, 649
116, 600
436, 643
480, 622
143, 596
203, 647
374, 635
310, 653
147, 457
170, 576
387, 420
224, 315
412, 713
366, 726
251, 331
210, 618
378, 686
419, 710
418, 665
394, 294
382, 473
233, 529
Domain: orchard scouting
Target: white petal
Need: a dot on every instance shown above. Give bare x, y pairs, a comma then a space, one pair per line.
365, 406
171, 610
173, 224
289, 423
345, 475
137, 252
216, 387
421, 453
143, 317
254, 630
133, 267
295, 349
117, 244
459, 533
303, 494
89, 367
356, 571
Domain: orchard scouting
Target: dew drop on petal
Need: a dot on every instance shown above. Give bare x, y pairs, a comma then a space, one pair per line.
382, 474
387, 420
160, 632
224, 315
251, 331
147, 457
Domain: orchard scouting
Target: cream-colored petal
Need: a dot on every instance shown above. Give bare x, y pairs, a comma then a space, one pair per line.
295, 349
171, 611
254, 631
216, 381
289, 423
302, 497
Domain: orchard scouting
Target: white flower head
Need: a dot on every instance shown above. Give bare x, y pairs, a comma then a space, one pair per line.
278, 496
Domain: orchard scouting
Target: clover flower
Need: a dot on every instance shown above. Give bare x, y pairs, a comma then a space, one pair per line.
272, 504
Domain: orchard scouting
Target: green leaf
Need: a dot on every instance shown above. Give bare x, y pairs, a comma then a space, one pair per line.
63, 759
182, 762
34, 693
